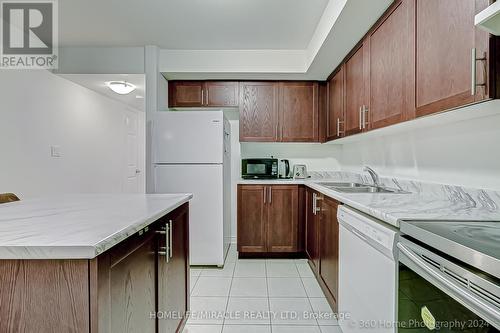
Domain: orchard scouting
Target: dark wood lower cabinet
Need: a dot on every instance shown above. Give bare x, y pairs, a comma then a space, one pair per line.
129, 288
311, 234
268, 219
322, 242
329, 248
173, 274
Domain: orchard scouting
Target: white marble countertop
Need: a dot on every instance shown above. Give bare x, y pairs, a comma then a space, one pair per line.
78, 226
424, 202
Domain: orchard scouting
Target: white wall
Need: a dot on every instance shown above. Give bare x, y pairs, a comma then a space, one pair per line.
39, 109
465, 153
317, 157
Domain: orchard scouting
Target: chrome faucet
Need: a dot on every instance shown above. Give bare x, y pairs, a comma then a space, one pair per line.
373, 174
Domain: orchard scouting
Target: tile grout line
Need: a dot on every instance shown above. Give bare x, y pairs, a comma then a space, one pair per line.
308, 299
268, 300
228, 296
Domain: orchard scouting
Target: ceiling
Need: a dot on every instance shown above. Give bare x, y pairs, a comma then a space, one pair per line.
190, 24
97, 83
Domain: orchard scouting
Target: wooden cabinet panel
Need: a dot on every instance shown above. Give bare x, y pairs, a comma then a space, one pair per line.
186, 93
44, 296
173, 276
298, 111
312, 241
258, 111
282, 225
329, 246
445, 35
355, 76
392, 63
221, 93
335, 116
252, 218
268, 218
130, 287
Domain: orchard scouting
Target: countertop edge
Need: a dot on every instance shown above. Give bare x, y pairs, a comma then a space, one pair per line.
86, 252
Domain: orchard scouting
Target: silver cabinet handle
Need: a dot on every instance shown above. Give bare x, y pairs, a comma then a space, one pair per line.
473, 71
270, 194
314, 203
207, 97
474, 59
170, 239
339, 132
164, 250
202, 96
265, 194
360, 116
364, 111
277, 133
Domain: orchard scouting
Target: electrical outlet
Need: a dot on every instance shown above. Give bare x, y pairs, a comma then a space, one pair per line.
55, 151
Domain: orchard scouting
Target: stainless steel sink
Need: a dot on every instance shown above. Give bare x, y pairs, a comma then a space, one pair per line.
359, 188
335, 184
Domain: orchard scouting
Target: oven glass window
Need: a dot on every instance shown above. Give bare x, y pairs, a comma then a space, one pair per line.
256, 169
423, 308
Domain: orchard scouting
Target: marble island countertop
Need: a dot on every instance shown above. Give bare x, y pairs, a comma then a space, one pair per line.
426, 201
78, 226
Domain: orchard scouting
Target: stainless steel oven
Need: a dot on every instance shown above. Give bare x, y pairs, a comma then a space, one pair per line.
449, 277
259, 168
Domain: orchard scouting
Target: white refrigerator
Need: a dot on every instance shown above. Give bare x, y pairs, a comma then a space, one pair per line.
190, 151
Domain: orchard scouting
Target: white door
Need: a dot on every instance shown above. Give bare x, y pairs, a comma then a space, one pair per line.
185, 137
205, 209
133, 171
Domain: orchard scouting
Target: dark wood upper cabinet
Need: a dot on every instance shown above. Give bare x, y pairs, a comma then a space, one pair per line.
298, 111
329, 247
186, 93
445, 38
259, 111
268, 218
282, 226
335, 113
355, 96
252, 218
392, 62
203, 93
221, 94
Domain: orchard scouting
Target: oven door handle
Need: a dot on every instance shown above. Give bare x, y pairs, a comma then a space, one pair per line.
491, 313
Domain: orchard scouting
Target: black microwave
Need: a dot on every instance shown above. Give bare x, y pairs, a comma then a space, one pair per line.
259, 168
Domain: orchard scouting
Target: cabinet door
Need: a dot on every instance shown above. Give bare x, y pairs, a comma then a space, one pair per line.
282, 225
312, 243
186, 93
259, 111
221, 93
354, 91
130, 285
445, 37
329, 246
173, 275
298, 112
335, 116
252, 218
392, 63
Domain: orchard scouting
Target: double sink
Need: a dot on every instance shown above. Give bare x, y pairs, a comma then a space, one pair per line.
359, 188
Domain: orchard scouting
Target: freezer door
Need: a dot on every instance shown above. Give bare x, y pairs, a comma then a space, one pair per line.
188, 137
205, 209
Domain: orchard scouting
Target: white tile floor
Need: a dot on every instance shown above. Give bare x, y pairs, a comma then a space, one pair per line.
258, 296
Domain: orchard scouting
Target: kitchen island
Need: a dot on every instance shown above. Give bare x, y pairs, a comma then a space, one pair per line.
95, 263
